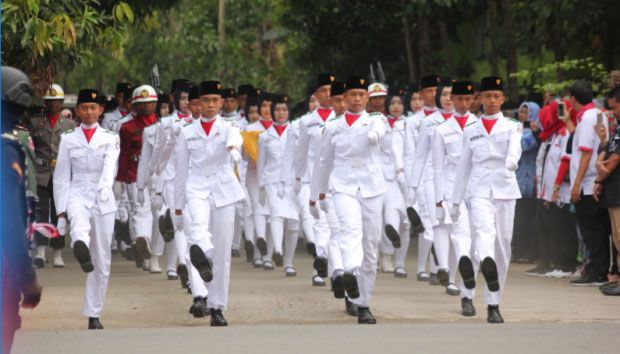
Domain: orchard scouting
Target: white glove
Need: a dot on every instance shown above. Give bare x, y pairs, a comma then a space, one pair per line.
104, 194
157, 201
123, 215
323, 205
411, 196
314, 211
281, 190
261, 196
140, 197
118, 188
297, 186
455, 213
236, 156
440, 214
153, 181
178, 221
511, 165
400, 178
373, 137
61, 226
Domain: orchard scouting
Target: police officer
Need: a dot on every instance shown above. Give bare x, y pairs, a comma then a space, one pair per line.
87, 160
144, 100
349, 168
46, 131
205, 179
489, 158
19, 280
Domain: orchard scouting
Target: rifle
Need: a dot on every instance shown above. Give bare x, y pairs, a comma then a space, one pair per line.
155, 79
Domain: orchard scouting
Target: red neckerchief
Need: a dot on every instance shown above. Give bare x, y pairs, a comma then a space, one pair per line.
428, 113
489, 124
266, 123
206, 126
181, 115
351, 118
324, 113
280, 128
446, 116
53, 119
392, 120
148, 120
89, 133
583, 110
461, 120
122, 112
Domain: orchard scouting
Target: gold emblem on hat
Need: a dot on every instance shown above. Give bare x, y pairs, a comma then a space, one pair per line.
144, 93
93, 95
332, 78
285, 98
498, 81
469, 87
377, 88
218, 86
53, 93
362, 81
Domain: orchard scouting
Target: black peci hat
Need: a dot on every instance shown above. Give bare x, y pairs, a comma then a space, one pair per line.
211, 87
122, 86
356, 82
244, 89
431, 80
193, 93
325, 79
463, 88
491, 83
229, 93
88, 96
337, 88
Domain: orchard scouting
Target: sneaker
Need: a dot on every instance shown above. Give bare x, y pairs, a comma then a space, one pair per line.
589, 281
540, 270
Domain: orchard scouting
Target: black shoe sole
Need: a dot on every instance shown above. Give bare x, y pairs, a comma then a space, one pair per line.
489, 271
349, 281
197, 311
168, 233
143, 247
443, 276
137, 257
39, 263
249, 251
392, 235
415, 220
311, 248
183, 275
466, 268
82, 254
278, 259
201, 263
338, 287
320, 265
261, 244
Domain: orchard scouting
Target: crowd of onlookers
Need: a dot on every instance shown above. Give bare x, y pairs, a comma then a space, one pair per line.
568, 221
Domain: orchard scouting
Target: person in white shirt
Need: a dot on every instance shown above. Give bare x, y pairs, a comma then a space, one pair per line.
83, 179
123, 107
489, 159
350, 169
205, 181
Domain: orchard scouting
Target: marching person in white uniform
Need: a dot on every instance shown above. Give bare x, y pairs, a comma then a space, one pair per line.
306, 154
83, 180
490, 156
449, 235
205, 179
123, 107
276, 185
350, 169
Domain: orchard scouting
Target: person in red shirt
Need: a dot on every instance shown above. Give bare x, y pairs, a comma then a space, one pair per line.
144, 102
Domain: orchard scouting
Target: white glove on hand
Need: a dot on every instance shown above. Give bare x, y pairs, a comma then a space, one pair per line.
400, 178
118, 188
314, 211
178, 221
261, 196
297, 186
455, 213
440, 214
323, 205
411, 196
373, 137
511, 165
140, 196
281, 190
61, 226
123, 215
157, 201
104, 194
236, 156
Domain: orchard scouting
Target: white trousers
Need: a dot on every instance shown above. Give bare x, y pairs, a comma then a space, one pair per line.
426, 210
212, 230
492, 222
360, 232
95, 230
394, 214
141, 216
180, 241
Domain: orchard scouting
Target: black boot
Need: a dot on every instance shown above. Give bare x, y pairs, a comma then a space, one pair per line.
261, 244
466, 268
183, 275
93, 323
493, 315
392, 235
199, 307
467, 307
338, 287
217, 319
82, 254
364, 316
350, 307
320, 265
311, 248
249, 251
201, 262
278, 259
350, 285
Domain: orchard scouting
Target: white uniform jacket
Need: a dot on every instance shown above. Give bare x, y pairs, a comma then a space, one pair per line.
485, 160
310, 131
203, 164
83, 169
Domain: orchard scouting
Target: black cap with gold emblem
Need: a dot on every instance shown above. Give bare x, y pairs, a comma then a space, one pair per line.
491, 83
462, 88
280, 98
337, 88
356, 82
193, 93
210, 88
244, 89
431, 80
88, 96
325, 79
396, 91
229, 93
121, 87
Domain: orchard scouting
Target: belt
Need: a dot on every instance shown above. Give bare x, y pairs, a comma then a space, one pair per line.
45, 162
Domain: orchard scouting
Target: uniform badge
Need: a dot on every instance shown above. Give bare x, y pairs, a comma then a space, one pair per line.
53, 92
469, 87
377, 88
498, 81
362, 81
93, 95
144, 93
331, 78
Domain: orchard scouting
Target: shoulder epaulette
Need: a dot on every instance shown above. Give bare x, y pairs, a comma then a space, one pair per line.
69, 131
109, 131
